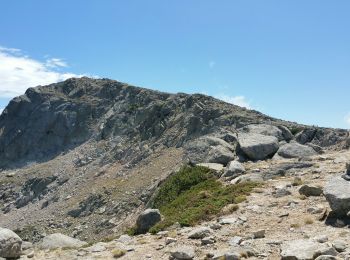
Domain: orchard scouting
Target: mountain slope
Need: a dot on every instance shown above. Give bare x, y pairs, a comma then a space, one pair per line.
84, 156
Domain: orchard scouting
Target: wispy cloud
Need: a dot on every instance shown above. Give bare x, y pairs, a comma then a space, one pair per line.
212, 64
236, 100
19, 72
347, 119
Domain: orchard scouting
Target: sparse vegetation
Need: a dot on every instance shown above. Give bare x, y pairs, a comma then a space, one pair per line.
297, 181
308, 220
295, 129
118, 253
194, 195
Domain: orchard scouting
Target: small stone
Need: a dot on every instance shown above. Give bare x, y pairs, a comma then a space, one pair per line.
339, 245
227, 221
170, 240
236, 240
259, 234
31, 254
326, 257
215, 226
226, 256
309, 190
208, 240
199, 233
321, 239
183, 252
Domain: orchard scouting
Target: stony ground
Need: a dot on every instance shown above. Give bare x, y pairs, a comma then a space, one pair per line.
276, 209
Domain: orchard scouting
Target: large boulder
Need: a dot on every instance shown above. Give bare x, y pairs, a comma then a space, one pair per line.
10, 244
337, 193
147, 219
183, 253
59, 240
302, 249
296, 150
281, 133
257, 146
209, 149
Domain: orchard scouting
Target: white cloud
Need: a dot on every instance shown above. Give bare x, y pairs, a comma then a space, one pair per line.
212, 64
236, 100
1, 109
347, 118
19, 72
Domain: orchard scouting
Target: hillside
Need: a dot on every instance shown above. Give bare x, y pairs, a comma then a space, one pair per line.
85, 157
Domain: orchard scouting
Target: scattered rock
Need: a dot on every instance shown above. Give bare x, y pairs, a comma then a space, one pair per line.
226, 256
199, 233
208, 240
337, 193
300, 250
10, 244
326, 257
170, 240
257, 146
59, 240
259, 234
213, 166
321, 239
295, 150
147, 219
309, 190
251, 177
183, 252
339, 245
233, 169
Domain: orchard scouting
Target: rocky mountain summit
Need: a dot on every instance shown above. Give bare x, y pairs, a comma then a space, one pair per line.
89, 160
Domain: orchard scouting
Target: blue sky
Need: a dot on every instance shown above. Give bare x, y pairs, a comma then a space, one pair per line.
288, 59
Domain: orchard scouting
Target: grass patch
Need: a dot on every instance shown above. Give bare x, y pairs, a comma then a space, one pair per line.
118, 253
194, 195
295, 130
297, 181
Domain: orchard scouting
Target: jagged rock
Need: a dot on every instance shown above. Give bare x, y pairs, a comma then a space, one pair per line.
233, 169
59, 240
305, 136
34, 188
295, 150
301, 250
309, 190
147, 219
10, 244
337, 193
213, 166
209, 149
183, 253
257, 146
86, 207
199, 233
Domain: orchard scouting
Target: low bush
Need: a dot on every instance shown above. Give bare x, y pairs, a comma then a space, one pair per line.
194, 195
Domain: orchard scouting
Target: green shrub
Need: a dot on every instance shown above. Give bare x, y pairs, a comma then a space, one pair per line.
182, 181
194, 195
295, 129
